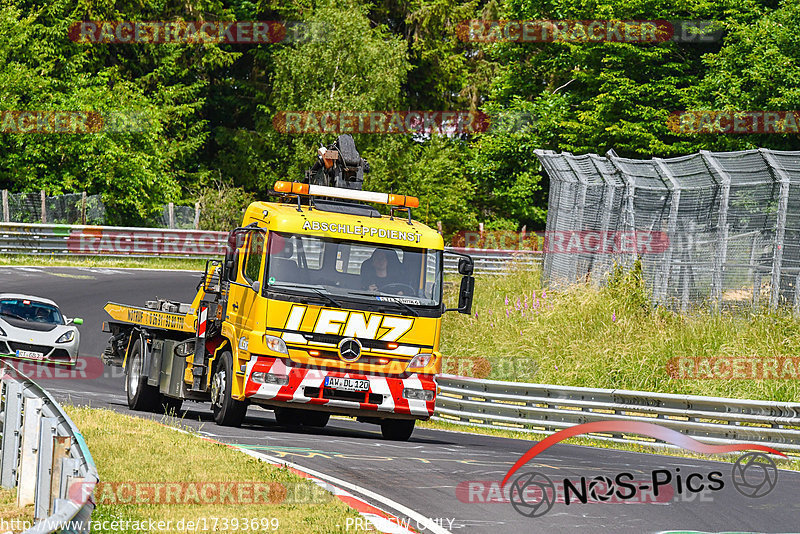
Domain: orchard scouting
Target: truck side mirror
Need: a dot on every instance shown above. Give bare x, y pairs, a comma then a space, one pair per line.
465, 266
231, 266
465, 294
256, 286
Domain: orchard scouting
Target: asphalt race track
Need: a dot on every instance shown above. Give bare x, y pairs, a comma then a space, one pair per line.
434, 473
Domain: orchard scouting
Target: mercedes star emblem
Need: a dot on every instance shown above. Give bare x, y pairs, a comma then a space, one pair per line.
349, 349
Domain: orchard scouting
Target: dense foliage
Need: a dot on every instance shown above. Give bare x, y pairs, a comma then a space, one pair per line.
204, 112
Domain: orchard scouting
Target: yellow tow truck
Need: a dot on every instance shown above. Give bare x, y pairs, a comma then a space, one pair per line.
321, 306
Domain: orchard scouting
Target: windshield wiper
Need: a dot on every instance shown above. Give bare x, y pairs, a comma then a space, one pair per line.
315, 289
9, 314
408, 308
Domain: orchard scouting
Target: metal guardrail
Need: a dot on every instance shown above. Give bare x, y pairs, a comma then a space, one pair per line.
43, 454
546, 408
114, 241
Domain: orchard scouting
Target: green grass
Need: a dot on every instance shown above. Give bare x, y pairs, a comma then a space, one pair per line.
132, 450
103, 261
608, 338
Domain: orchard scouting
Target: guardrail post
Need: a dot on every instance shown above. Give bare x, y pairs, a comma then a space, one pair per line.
47, 430
29, 461
6, 214
12, 423
61, 446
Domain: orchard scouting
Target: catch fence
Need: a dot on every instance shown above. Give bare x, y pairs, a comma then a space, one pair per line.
714, 227
80, 208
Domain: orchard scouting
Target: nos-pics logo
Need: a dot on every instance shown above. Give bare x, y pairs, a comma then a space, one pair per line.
533, 494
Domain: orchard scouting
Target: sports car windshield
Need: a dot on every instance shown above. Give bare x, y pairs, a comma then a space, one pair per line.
406, 276
30, 311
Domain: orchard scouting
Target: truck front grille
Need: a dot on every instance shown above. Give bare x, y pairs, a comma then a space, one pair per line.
335, 394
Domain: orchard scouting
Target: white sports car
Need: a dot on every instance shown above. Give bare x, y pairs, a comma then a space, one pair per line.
33, 328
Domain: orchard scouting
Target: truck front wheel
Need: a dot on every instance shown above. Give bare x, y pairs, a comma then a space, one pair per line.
141, 395
227, 411
397, 429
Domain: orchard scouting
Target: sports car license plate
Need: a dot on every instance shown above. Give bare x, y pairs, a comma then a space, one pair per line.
30, 355
347, 384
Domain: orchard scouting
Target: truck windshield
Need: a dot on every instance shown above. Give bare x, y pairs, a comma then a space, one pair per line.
355, 269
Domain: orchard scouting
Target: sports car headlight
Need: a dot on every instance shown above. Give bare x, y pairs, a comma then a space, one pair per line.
67, 337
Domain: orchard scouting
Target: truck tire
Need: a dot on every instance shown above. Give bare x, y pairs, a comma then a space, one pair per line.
141, 396
397, 429
288, 417
170, 405
227, 411
315, 419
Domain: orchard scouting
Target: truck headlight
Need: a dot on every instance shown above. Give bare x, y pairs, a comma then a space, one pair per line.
275, 344
418, 394
269, 378
420, 361
66, 337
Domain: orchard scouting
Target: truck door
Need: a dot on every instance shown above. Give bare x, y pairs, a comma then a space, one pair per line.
242, 299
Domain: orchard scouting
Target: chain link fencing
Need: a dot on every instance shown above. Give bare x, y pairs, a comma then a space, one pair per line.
80, 208
717, 228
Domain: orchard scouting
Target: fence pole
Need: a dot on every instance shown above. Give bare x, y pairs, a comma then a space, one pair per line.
44, 206
628, 210
780, 228
721, 256
6, 214
672, 223
171, 212
577, 221
83, 208
197, 215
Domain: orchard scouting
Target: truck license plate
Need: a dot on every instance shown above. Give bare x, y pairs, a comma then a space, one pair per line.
30, 355
347, 384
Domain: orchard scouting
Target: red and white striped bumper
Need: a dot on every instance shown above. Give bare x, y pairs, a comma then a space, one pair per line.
306, 387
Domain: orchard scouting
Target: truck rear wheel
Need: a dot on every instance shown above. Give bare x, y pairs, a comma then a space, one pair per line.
170, 405
227, 411
141, 395
397, 429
